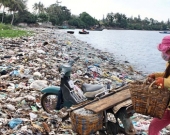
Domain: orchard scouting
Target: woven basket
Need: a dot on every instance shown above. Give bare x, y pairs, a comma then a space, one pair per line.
86, 124
148, 100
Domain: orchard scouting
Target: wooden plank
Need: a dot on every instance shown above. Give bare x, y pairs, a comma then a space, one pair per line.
75, 107
109, 101
125, 103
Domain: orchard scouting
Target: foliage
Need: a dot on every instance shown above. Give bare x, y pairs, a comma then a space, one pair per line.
13, 7
38, 8
77, 22
54, 20
9, 31
88, 20
117, 20
14, 33
7, 18
4, 4
5, 27
59, 15
42, 17
17, 5
25, 17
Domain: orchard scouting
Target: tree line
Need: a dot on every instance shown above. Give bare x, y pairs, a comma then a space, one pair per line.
16, 11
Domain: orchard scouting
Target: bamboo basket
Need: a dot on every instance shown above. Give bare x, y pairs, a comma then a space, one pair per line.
148, 100
86, 124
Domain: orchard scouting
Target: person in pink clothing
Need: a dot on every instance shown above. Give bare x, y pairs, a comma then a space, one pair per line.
162, 80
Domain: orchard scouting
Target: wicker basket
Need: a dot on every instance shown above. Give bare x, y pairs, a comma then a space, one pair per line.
86, 124
147, 100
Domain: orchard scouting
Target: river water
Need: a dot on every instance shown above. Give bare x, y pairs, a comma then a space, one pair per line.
139, 48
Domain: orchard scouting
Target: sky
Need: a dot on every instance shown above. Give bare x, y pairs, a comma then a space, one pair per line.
157, 9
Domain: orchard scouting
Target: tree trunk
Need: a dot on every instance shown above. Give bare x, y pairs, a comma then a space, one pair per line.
12, 19
3, 15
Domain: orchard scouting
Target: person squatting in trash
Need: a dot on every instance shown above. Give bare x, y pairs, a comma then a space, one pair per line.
162, 80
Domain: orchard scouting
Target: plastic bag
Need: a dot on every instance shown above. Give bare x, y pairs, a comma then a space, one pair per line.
38, 84
14, 122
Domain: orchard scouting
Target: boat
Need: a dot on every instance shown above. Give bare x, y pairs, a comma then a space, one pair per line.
83, 32
63, 27
164, 32
71, 32
96, 29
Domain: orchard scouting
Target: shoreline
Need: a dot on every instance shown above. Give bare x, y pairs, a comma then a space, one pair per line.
30, 64
115, 51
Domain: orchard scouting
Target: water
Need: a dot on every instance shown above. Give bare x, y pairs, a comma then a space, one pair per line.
139, 48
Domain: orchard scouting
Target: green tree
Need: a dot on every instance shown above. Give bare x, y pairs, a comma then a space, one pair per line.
146, 21
139, 19
121, 20
77, 22
16, 6
4, 4
117, 20
58, 14
42, 17
65, 13
88, 20
25, 17
110, 19
38, 8
54, 11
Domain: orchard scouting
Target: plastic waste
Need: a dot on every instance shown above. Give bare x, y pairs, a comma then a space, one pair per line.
14, 73
3, 95
33, 116
10, 107
95, 69
14, 122
38, 74
38, 84
108, 85
3, 72
29, 97
11, 87
34, 108
41, 51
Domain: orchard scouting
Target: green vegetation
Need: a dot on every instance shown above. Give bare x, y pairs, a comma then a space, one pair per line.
14, 33
83, 21
9, 31
117, 20
59, 15
5, 27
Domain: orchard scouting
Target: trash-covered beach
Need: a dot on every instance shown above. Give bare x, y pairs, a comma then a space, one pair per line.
29, 64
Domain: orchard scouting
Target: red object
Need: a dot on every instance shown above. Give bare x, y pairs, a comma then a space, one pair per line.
160, 82
164, 46
95, 74
157, 125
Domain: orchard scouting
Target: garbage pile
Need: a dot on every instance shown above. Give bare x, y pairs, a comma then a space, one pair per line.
29, 64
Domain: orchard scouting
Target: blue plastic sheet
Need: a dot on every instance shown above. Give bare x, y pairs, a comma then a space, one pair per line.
14, 122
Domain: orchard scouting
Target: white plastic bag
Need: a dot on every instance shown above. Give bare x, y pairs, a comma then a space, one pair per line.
38, 84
